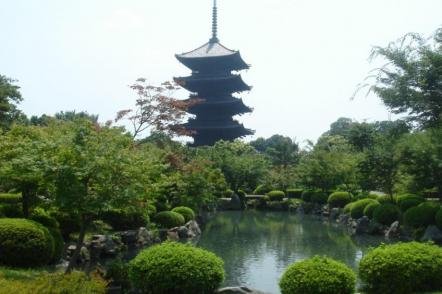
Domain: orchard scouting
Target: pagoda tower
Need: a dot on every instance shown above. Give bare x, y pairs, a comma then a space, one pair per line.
213, 82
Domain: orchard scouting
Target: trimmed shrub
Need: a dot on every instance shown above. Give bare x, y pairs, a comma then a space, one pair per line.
294, 193
422, 215
386, 214
319, 197
58, 244
307, 195
41, 216
408, 200
24, 243
347, 208
438, 219
12, 210
10, 198
169, 219
176, 268
357, 208
186, 212
384, 199
262, 190
402, 268
125, 219
318, 275
276, 195
339, 199
368, 210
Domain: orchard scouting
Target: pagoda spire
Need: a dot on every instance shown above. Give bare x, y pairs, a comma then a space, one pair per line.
214, 38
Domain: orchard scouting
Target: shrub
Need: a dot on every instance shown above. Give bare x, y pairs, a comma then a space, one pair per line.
176, 268
438, 218
384, 199
339, 199
228, 193
319, 197
357, 208
11, 210
276, 195
186, 212
307, 195
169, 219
41, 216
368, 210
69, 223
347, 208
125, 219
421, 216
151, 210
402, 268
24, 243
318, 275
408, 200
58, 244
386, 214
10, 198
294, 193
262, 190
118, 272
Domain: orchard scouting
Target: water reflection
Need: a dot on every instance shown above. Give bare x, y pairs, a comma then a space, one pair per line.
257, 246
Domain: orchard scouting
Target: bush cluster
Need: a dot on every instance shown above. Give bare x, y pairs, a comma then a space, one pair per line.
276, 195
318, 275
339, 199
125, 219
10, 198
368, 210
357, 208
294, 193
408, 200
25, 243
176, 268
169, 219
422, 215
186, 212
386, 214
402, 268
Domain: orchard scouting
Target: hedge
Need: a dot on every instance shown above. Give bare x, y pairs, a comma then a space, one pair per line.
10, 198
339, 199
368, 210
402, 268
318, 275
169, 219
408, 200
422, 215
357, 208
186, 212
24, 243
176, 268
276, 195
386, 214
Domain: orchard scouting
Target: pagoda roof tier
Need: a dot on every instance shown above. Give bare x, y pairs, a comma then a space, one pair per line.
209, 137
213, 84
209, 125
212, 56
232, 106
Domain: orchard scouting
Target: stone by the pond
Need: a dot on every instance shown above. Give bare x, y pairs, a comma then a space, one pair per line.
193, 228
239, 290
235, 202
144, 237
128, 237
362, 225
432, 233
334, 213
105, 245
393, 231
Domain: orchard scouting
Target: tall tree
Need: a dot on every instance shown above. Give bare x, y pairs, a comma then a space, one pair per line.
282, 151
9, 97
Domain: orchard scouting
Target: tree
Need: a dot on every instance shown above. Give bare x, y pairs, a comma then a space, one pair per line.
9, 97
411, 81
156, 109
282, 151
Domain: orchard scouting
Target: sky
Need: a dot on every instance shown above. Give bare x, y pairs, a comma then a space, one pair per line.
307, 56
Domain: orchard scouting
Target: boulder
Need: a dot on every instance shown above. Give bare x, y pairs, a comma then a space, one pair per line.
362, 225
334, 213
432, 233
193, 227
394, 231
183, 232
144, 237
239, 290
128, 237
235, 203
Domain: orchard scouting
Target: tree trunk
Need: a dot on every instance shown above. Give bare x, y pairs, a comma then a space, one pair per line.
74, 257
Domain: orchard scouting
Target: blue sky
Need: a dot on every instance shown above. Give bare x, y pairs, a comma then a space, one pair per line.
307, 56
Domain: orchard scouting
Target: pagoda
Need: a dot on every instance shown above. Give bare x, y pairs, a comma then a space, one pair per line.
213, 82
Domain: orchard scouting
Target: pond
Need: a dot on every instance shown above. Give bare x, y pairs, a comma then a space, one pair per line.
257, 246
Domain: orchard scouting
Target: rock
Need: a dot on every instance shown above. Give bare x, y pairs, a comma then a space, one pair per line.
432, 233
172, 235
239, 290
362, 225
144, 237
84, 254
393, 231
235, 203
183, 232
128, 237
223, 203
334, 213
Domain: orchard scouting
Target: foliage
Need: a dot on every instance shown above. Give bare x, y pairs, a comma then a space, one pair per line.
385, 199
438, 218
281, 151
125, 219
369, 209
421, 216
10, 198
386, 214
41, 216
262, 189
407, 201
276, 195
24, 243
58, 244
339, 199
347, 208
169, 219
176, 268
68, 222
9, 97
117, 271
318, 275
357, 208
186, 212
11, 210
402, 268
294, 193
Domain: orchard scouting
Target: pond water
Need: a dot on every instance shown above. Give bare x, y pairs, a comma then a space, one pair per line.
257, 246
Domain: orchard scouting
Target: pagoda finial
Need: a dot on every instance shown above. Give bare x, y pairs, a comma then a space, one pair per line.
214, 38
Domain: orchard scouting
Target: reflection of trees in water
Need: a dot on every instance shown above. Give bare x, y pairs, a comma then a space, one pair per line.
241, 238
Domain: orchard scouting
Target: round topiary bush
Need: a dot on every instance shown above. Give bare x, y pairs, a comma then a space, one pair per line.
276, 195
125, 219
407, 201
368, 210
169, 219
262, 189
318, 275
384, 199
402, 268
357, 208
186, 212
386, 214
339, 199
347, 208
176, 268
438, 219
24, 243
294, 193
421, 216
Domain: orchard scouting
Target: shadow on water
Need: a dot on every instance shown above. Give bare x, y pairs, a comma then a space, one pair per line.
257, 246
